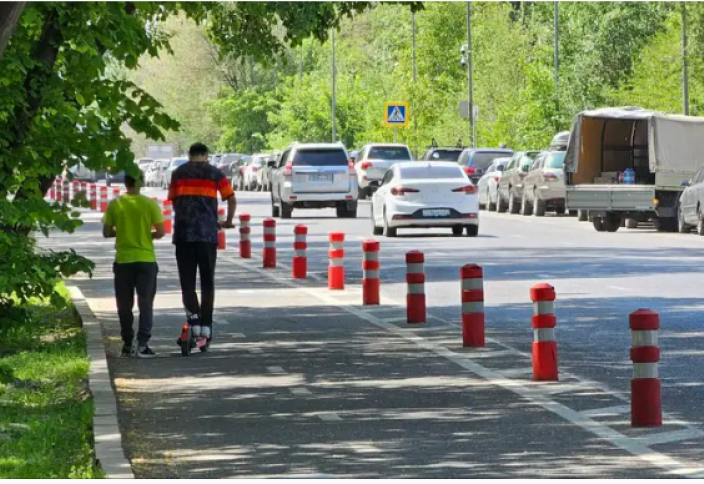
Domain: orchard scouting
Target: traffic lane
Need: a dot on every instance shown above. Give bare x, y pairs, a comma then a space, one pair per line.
600, 278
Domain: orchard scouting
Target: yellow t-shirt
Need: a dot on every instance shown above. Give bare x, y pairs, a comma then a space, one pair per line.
133, 217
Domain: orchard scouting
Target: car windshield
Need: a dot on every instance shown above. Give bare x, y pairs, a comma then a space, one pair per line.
320, 157
179, 161
445, 155
392, 153
483, 159
430, 172
556, 160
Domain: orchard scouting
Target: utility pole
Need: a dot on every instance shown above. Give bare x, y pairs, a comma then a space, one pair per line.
334, 103
472, 130
685, 76
300, 66
556, 41
415, 80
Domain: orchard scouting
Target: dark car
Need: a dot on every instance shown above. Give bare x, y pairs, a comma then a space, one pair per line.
475, 161
224, 163
443, 153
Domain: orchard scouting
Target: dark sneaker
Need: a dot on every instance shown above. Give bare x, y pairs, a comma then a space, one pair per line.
127, 349
145, 352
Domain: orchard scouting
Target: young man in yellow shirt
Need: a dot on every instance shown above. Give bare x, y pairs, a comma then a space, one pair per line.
130, 218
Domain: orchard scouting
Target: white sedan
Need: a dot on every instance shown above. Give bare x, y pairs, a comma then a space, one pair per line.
487, 186
425, 195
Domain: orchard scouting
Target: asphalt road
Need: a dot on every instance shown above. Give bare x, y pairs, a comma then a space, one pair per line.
415, 410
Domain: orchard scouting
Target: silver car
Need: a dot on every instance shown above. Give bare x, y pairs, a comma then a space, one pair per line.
314, 176
544, 186
488, 184
511, 181
170, 168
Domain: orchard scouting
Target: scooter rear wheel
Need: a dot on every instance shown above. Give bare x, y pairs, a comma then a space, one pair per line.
205, 347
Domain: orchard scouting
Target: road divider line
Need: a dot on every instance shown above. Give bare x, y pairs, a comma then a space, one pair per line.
256, 351
532, 393
514, 372
330, 417
607, 411
300, 391
668, 437
276, 370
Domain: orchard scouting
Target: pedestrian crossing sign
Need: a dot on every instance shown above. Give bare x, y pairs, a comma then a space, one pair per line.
396, 114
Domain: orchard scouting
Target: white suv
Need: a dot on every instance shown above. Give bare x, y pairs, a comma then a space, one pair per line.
314, 176
373, 161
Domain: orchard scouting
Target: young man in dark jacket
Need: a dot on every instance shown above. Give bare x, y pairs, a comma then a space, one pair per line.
194, 192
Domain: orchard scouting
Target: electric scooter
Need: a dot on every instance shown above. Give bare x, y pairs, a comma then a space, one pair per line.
188, 342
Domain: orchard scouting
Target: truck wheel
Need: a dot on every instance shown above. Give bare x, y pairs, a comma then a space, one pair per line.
598, 223
665, 224
582, 215
611, 222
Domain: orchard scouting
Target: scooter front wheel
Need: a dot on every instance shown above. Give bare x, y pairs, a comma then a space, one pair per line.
185, 348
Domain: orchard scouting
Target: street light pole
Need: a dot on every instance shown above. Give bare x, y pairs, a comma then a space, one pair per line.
556, 41
685, 76
469, 76
334, 103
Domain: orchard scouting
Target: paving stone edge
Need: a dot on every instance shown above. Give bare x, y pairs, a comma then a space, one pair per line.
109, 452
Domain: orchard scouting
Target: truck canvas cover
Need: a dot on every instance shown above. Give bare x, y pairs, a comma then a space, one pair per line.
666, 143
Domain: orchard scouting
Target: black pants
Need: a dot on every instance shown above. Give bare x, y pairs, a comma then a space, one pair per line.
139, 276
192, 257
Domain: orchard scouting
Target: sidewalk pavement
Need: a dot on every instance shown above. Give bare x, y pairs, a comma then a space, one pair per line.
301, 382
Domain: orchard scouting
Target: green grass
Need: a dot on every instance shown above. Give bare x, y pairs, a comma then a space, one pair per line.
43, 386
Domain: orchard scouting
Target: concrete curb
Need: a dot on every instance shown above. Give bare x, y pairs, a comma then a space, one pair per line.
109, 454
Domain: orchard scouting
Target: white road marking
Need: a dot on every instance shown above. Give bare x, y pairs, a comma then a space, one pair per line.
300, 391
237, 335
256, 351
668, 437
618, 288
534, 394
330, 417
513, 372
276, 370
607, 411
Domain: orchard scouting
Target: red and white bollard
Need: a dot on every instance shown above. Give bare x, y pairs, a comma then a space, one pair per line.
93, 196
222, 237
167, 212
336, 267
472, 306
52, 191
269, 259
66, 191
371, 283
245, 242
103, 199
646, 408
543, 322
300, 246
415, 278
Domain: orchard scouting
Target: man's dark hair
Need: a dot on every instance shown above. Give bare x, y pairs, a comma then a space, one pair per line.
130, 182
197, 149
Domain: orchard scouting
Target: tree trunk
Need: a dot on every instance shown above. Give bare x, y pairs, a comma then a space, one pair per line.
9, 16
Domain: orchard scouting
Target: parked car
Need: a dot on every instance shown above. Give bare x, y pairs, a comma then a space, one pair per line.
353, 156
434, 194
224, 163
475, 161
488, 184
112, 178
511, 181
440, 153
215, 159
153, 175
169, 169
252, 169
83, 174
690, 210
373, 161
237, 171
144, 164
314, 176
264, 174
544, 186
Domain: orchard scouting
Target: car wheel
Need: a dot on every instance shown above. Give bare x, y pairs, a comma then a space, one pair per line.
275, 212
513, 206
457, 230
472, 230
538, 207
526, 207
491, 205
501, 205
286, 209
389, 231
700, 224
376, 230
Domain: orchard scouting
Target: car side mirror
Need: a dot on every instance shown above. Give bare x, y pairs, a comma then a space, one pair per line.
685, 183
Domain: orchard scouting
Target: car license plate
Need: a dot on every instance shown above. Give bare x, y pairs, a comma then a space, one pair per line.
436, 213
320, 178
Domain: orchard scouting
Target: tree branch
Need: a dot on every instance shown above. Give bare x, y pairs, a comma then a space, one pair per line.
9, 16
